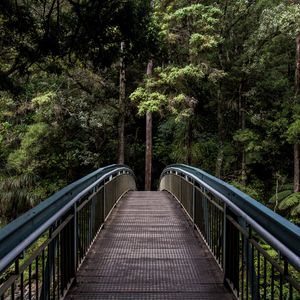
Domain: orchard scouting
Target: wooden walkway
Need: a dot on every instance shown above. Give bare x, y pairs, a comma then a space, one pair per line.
149, 250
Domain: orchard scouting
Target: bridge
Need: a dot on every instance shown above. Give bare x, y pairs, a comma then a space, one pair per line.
197, 237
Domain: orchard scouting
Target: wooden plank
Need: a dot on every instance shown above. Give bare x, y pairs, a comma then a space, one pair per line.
149, 250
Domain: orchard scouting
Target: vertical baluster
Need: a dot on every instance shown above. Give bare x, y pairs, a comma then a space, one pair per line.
220, 236
280, 286
83, 231
193, 201
22, 286
210, 224
239, 249
86, 227
75, 235
48, 268
43, 273
213, 220
53, 269
90, 224
70, 246
104, 200
247, 268
29, 280
63, 259
216, 232
37, 277
290, 292
58, 265
265, 278
224, 237
13, 291
79, 222
258, 274
252, 279
243, 267
272, 282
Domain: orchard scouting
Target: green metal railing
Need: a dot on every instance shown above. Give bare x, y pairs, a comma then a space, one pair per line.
257, 250
41, 251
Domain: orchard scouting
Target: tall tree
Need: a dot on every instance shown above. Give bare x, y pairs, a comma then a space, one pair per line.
148, 154
122, 107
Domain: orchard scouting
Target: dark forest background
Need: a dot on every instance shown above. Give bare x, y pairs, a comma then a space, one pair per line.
220, 81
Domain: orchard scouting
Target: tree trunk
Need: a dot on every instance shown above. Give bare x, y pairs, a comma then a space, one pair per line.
297, 90
189, 138
296, 168
220, 155
122, 108
242, 123
148, 155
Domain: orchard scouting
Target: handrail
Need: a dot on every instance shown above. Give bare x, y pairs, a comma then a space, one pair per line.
281, 229
236, 229
22, 232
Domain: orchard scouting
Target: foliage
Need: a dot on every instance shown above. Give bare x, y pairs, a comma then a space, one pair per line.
222, 92
293, 132
287, 202
291, 202
247, 190
17, 195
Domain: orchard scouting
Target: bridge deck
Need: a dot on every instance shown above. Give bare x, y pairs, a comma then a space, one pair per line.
149, 250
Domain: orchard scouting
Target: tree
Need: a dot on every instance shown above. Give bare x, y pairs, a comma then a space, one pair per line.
148, 154
223, 94
189, 35
122, 107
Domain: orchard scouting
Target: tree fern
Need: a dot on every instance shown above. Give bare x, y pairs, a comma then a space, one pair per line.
290, 202
280, 196
287, 186
287, 202
296, 211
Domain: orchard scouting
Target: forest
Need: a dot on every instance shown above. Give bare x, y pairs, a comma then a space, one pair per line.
213, 84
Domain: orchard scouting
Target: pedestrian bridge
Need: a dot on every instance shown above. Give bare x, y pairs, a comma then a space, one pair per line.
196, 238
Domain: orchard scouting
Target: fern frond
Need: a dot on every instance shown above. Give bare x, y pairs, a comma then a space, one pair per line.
287, 186
280, 196
296, 211
290, 201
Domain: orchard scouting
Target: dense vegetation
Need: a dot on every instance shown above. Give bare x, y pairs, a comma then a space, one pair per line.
222, 88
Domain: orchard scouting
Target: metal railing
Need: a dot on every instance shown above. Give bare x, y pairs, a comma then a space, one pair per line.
257, 250
41, 251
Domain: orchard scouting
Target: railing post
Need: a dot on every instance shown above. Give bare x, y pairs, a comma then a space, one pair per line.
75, 232
47, 271
180, 190
93, 213
104, 199
253, 277
232, 251
205, 216
193, 203
224, 237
